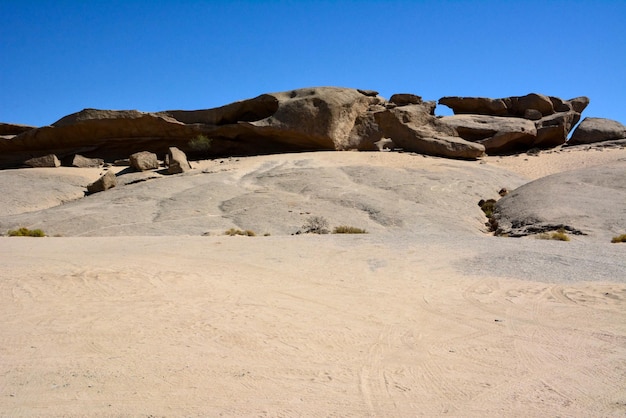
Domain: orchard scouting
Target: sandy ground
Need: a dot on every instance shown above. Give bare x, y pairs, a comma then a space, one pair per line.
383, 324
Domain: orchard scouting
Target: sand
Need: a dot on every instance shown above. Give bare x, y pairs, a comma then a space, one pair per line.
389, 323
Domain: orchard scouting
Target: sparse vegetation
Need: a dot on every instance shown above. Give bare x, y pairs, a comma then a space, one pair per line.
200, 143
315, 225
559, 235
487, 206
25, 232
619, 238
348, 230
232, 232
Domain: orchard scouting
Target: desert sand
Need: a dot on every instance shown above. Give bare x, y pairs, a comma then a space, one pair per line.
142, 307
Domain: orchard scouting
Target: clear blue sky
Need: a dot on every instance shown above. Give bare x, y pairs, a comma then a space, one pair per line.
58, 57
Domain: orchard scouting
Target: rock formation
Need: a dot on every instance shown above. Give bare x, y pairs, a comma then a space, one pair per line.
514, 124
309, 119
593, 130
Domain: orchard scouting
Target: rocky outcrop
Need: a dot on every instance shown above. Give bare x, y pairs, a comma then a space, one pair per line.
309, 119
107, 181
413, 128
478, 118
144, 160
592, 130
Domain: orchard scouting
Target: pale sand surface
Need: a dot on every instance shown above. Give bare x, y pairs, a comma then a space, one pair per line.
390, 323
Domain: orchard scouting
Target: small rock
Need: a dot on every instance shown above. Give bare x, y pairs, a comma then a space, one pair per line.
107, 181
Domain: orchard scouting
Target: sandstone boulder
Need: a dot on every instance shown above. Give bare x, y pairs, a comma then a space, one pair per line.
107, 181
177, 161
84, 162
593, 130
49, 160
144, 160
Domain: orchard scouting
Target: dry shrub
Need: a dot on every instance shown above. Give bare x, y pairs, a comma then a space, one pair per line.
619, 238
348, 230
25, 232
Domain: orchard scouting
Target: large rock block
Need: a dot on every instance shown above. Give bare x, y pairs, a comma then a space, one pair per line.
144, 160
177, 161
49, 160
593, 130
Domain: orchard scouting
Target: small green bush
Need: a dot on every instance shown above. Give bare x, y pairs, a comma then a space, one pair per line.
619, 238
200, 143
232, 232
348, 230
25, 232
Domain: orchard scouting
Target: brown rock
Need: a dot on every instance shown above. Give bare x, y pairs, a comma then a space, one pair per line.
476, 105
144, 160
412, 128
84, 162
532, 101
49, 160
593, 130
107, 181
403, 99
10, 129
532, 114
177, 161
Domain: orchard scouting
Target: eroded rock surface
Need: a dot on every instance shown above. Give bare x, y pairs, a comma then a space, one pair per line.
589, 201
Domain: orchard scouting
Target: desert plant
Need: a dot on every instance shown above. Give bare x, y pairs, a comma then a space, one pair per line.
315, 225
200, 143
25, 232
619, 238
232, 232
487, 206
559, 235
348, 230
